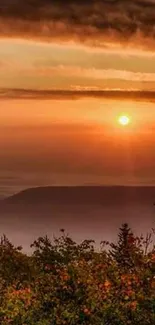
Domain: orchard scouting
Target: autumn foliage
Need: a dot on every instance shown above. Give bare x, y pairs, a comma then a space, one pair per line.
63, 282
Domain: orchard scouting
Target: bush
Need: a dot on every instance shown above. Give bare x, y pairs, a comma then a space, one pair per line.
68, 283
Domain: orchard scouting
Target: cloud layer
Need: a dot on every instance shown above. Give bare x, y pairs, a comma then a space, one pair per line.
77, 94
95, 23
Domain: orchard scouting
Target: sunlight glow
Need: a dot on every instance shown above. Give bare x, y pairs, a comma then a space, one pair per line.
124, 120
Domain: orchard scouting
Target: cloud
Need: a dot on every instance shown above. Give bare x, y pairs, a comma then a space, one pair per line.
92, 73
95, 23
77, 94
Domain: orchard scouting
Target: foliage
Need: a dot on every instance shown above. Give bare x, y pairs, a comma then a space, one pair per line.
68, 283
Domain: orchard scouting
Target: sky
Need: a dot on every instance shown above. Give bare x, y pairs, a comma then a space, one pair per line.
67, 72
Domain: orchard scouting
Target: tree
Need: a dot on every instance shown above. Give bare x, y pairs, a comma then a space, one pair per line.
126, 252
62, 251
14, 265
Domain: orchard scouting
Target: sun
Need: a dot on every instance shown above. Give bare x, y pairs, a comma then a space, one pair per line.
124, 120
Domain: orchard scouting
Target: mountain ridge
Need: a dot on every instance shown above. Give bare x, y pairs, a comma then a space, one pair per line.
82, 195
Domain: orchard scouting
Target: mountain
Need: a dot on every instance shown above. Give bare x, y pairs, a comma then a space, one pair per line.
92, 212
84, 195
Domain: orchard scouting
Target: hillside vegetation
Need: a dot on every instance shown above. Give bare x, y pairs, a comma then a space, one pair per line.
63, 282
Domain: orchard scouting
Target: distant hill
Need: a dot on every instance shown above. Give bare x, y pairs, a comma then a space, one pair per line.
85, 195
92, 212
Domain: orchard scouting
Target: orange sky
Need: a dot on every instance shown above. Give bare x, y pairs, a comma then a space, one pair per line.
77, 141
85, 46
85, 111
39, 65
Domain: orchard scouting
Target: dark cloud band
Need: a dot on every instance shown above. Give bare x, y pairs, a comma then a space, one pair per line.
75, 95
90, 21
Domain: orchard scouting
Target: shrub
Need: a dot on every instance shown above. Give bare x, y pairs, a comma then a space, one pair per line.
68, 283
